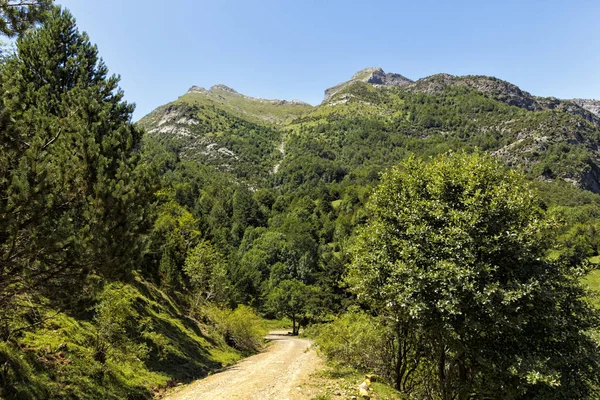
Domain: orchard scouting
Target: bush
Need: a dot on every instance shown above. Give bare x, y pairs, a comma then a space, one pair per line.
120, 326
358, 340
241, 328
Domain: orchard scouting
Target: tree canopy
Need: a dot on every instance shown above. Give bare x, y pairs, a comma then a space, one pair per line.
453, 258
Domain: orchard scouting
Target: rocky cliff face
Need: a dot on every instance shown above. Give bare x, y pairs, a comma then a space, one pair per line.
374, 76
496, 88
508, 93
592, 106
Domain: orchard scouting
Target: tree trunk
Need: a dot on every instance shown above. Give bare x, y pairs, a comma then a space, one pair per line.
442, 374
398, 367
463, 392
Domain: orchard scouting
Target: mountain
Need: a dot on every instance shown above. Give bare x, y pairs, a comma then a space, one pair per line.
373, 120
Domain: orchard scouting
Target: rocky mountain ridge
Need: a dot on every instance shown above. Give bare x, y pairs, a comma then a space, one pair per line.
376, 118
592, 106
492, 87
375, 76
220, 88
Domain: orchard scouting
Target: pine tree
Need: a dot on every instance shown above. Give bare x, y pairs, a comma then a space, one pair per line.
72, 195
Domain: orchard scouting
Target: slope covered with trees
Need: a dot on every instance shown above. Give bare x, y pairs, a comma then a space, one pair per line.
289, 254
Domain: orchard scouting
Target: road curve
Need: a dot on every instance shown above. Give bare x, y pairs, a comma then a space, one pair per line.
272, 375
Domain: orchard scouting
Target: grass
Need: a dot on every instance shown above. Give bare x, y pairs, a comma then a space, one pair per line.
333, 383
336, 204
593, 281
257, 110
154, 346
276, 324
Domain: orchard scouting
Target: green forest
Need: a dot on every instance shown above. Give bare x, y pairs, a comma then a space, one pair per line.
441, 235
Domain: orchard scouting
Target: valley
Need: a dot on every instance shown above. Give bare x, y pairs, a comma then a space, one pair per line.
431, 238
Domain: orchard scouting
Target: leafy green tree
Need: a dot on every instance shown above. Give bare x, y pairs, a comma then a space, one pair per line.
206, 269
291, 298
168, 270
174, 234
248, 275
16, 16
245, 211
74, 197
453, 258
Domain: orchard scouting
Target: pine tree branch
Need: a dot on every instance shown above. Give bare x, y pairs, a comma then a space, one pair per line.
26, 327
52, 140
21, 4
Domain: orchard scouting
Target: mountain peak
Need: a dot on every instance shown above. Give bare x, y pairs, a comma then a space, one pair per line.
375, 76
223, 88
214, 88
197, 89
365, 73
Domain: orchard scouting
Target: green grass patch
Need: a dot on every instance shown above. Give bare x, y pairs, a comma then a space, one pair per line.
336, 204
277, 324
593, 281
343, 383
258, 110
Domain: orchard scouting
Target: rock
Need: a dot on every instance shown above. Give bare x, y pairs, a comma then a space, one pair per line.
197, 89
379, 78
493, 87
223, 88
373, 76
592, 106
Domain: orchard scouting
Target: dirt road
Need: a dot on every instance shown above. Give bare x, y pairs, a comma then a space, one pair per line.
276, 374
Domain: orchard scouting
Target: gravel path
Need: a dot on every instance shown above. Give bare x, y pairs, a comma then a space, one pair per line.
276, 374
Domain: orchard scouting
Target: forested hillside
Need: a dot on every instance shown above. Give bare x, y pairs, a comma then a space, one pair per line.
440, 227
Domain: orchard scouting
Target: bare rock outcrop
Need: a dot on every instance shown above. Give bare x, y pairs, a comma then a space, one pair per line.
374, 76
592, 106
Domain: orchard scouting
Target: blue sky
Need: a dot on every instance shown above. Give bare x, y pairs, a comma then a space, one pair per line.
296, 49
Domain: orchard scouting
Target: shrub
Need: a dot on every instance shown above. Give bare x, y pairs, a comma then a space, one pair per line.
119, 325
358, 340
241, 328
